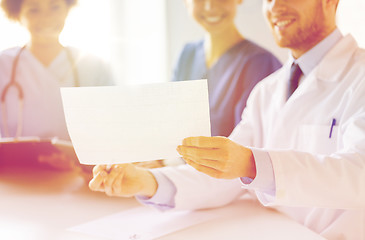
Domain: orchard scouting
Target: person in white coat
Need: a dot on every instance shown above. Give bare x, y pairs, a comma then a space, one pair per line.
302, 154
31, 75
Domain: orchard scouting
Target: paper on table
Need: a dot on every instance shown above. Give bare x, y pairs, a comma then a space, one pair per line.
120, 124
142, 223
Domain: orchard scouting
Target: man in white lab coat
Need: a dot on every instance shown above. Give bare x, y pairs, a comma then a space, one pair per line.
302, 153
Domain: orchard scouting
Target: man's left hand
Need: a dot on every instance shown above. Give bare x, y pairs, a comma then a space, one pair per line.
218, 157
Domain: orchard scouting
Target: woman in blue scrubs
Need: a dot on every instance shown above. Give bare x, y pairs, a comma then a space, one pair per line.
231, 63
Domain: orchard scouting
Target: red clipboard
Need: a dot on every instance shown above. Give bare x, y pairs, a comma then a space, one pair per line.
25, 151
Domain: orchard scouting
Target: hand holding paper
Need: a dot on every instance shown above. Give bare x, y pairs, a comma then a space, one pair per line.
218, 157
123, 180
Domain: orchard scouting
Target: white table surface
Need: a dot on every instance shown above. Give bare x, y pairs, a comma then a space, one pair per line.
37, 205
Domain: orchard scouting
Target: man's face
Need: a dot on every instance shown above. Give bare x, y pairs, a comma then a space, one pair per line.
298, 24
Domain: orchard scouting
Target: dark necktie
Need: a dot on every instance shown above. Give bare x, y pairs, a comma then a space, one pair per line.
295, 73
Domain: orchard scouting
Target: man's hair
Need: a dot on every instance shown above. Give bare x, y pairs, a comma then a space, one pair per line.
12, 7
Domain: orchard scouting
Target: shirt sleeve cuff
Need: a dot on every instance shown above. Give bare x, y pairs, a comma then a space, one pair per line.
164, 198
265, 179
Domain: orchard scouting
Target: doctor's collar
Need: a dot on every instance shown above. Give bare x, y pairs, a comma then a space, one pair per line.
309, 60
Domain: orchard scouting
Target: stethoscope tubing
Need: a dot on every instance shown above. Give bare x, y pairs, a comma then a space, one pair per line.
19, 89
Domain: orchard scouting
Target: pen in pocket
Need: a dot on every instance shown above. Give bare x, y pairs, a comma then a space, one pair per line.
333, 123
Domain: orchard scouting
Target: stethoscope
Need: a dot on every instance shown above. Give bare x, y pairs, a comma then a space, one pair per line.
18, 87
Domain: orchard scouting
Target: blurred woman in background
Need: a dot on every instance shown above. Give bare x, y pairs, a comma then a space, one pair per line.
231, 63
31, 75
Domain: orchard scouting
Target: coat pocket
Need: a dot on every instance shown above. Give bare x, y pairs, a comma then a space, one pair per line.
317, 139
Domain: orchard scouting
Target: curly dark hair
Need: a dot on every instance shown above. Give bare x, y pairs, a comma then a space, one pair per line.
12, 7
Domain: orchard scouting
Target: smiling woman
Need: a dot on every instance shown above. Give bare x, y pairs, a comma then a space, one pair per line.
32, 73
87, 28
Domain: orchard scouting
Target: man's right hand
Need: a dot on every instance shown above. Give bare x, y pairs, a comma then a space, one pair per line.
123, 180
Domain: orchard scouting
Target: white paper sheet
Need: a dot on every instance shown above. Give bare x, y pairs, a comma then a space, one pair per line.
120, 124
142, 223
